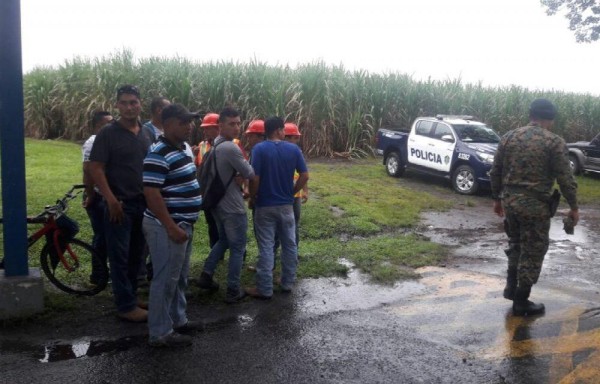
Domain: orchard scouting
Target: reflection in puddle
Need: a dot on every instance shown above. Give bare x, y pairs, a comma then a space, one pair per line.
86, 348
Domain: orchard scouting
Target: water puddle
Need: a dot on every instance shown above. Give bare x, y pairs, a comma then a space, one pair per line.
70, 350
356, 291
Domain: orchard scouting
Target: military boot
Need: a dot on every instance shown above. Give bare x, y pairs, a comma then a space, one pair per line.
522, 306
511, 283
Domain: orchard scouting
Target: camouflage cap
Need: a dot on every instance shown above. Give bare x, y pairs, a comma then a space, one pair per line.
542, 109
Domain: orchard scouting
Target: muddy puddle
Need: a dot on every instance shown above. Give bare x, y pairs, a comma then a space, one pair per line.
477, 239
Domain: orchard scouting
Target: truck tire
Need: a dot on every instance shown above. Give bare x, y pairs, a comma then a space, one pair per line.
393, 165
464, 180
574, 163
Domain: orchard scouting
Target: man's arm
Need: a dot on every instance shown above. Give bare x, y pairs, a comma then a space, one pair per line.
98, 174
565, 178
157, 205
301, 182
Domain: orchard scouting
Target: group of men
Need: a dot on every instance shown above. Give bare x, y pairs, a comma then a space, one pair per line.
142, 192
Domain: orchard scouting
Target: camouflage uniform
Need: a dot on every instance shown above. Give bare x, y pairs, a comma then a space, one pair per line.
528, 161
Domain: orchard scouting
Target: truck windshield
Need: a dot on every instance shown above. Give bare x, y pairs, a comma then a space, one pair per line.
476, 133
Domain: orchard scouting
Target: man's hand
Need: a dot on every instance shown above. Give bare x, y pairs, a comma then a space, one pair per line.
304, 197
498, 210
115, 211
574, 215
89, 199
177, 234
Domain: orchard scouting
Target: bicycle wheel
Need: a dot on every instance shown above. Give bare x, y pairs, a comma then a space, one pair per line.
78, 255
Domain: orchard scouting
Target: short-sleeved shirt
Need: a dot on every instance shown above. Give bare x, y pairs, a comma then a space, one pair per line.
169, 168
230, 161
122, 152
86, 149
275, 163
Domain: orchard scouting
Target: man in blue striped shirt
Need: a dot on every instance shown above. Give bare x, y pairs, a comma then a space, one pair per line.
173, 198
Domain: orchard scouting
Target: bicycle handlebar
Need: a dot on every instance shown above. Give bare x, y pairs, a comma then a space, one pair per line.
62, 204
55, 210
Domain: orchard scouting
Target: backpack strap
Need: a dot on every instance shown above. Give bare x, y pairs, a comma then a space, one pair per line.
215, 165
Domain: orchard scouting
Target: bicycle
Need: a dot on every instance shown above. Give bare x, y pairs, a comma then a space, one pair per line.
66, 261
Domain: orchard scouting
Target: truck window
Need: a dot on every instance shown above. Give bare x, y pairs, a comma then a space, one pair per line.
476, 133
424, 128
441, 130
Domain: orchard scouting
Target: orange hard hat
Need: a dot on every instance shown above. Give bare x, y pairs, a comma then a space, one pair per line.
210, 120
256, 126
291, 129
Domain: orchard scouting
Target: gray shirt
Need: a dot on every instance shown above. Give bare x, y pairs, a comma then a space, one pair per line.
230, 160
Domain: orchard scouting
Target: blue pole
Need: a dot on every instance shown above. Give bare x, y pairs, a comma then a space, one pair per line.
12, 142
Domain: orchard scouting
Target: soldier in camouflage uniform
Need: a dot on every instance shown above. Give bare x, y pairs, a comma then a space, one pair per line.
528, 161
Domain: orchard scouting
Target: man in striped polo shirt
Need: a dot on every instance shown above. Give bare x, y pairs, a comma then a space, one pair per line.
173, 197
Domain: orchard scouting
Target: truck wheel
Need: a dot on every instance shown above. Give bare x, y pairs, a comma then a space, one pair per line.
464, 181
574, 163
393, 166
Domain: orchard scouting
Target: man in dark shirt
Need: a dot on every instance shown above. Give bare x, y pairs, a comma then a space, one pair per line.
116, 166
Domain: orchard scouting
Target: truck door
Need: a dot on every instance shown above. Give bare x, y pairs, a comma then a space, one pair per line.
426, 147
418, 143
442, 143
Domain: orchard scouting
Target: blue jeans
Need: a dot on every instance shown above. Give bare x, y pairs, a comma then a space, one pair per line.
125, 246
268, 223
95, 212
297, 212
232, 229
171, 263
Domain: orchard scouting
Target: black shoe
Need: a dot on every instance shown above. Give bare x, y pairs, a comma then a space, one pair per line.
233, 296
522, 306
206, 282
190, 327
527, 308
511, 284
172, 340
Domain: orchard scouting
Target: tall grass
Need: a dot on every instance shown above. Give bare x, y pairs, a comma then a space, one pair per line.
337, 110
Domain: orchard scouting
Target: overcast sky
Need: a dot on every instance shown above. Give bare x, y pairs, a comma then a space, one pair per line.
498, 42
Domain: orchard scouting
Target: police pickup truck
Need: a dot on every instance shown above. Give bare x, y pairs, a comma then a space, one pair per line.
454, 147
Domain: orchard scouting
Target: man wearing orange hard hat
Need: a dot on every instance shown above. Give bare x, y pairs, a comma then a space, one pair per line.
255, 133
292, 135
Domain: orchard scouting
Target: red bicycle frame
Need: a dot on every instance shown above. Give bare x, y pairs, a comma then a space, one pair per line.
51, 227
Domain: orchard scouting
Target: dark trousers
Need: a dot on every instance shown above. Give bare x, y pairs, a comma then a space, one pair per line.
213, 231
95, 212
125, 246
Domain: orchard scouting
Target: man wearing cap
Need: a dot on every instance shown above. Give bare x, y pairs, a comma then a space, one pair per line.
116, 167
528, 162
173, 197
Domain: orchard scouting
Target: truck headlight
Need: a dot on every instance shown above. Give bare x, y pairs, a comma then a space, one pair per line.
485, 157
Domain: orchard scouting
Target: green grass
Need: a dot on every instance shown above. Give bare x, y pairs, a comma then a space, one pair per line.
355, 212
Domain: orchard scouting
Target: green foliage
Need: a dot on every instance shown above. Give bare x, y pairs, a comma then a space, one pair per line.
338, 110
583, 16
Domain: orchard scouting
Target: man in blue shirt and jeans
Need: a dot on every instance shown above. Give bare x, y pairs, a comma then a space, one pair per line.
272, 194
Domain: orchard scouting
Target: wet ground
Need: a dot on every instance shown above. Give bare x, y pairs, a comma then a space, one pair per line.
450, 326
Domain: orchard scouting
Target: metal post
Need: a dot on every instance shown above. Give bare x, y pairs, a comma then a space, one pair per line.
12, 142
